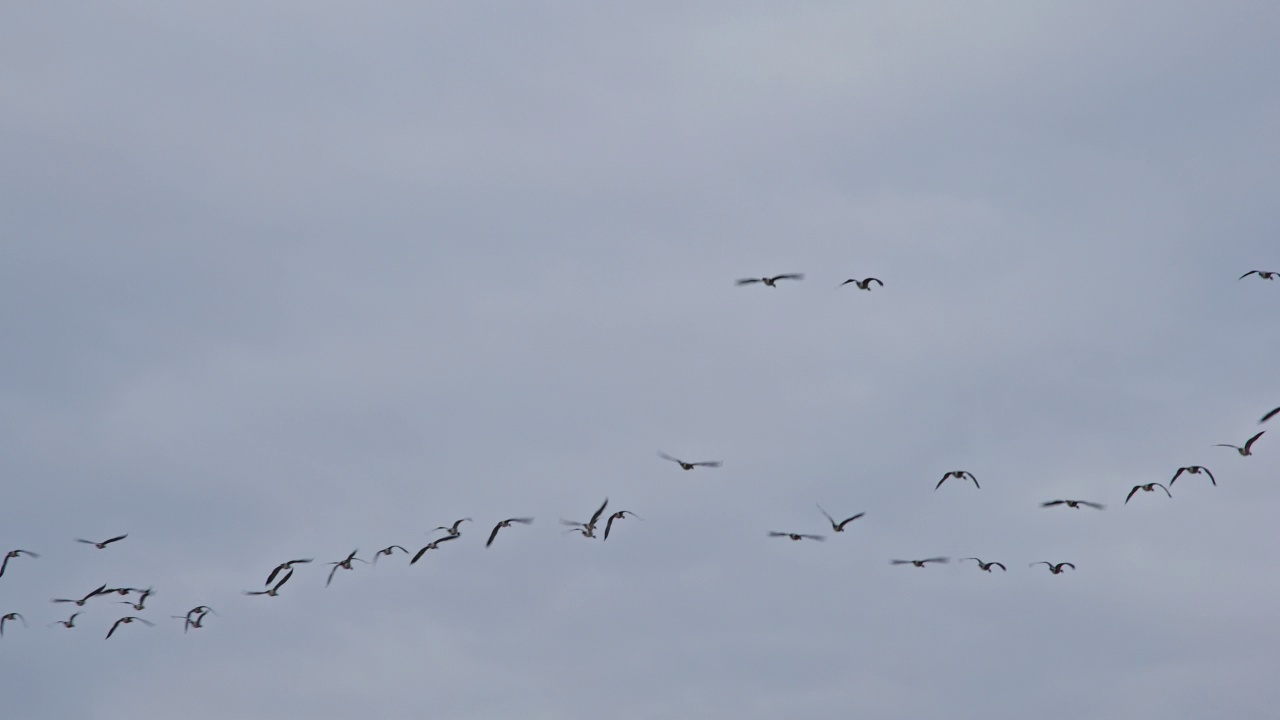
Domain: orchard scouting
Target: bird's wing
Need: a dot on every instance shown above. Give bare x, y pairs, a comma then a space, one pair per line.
419, 554
1051, 503
938, 559
828, 516
1001, 566
708, 463
1249, 443
114, 539
899, 562
874, 280
773, 533
1246, 274
1042, 562
283, 580
3, 564
1165, 489
275, 572
665, 456
846, 282
975, 559
944, 479
790, 276
86, 542
1269, 415
113, 628
333, 570
493, 534
748, 281
608, 526
1135, 489
596, 516
974, 478
1073, 567
819, 538
1175, 475
1211, 478
846, 521
1095, 505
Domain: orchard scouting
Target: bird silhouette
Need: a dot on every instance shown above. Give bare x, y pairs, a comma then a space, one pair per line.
285, 566
1073, 504
433, 545
1193, 470
344, 565
1055, 569
1148, 487
839, 526
1265, 275
959, 474
771, 281
862, 284
504, 524
10, 617
986, 565
12, 554
102, 545
617, 516
919, 563
126, 621
796, 536
690, 465
269, 592
1247, 450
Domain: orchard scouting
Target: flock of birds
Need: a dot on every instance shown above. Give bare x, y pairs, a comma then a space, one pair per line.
194, 618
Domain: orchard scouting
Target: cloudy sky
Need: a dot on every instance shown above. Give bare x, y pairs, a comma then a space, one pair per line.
284, 280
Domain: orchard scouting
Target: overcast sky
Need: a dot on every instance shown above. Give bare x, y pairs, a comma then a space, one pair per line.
284, 280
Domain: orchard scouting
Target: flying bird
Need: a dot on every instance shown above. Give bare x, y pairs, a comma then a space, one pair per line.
617, 516
959, 474
1247, 450
1269, 415
103, 545
285, 566
11, 555
1265, 275
10, 617
588, 529
269, 592
862, 284
344, 565
127, 621
433, 545
1193, 470
68, 623
771, 281
453, 529
796, 536
141, 599
919, 563
987, 565
1055, 569
690, 465
839, 526
1149, 487
388, 550
200, 612
504, 524
1073, 504
102, 590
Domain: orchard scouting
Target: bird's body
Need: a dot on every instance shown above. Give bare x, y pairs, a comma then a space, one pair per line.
1074, 504
1193, 470
285, 566
102, 545
433, 545
1148, 487
388, 550
771, 281
505, 524
986, 566
839, 526
10, 617
862, 284
1247, 450
960, 475
919, 563
127, 621
690, 465
796, 536
14, 554
1264, 274
1055, 569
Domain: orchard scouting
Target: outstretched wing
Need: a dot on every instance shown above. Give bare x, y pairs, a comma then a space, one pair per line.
597, 514
665, 456
873, 280
332, 570
1246, 274
1001, 566
791, 276
1269, 415
846, 521
707, 463
113, 628
1211, 478
1249, 443
493, 534
609, 526
748, 281
1135, 489
1094, 505
1051, 503
115, 539
944, 479
1177, 475
1165, 489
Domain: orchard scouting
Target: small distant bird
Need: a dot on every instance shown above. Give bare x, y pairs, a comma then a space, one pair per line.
1055, 569
271, 591
388, 550
10, 617
344, 565
141, 600
103, 545
919, 563
433, 545
960, 475
862, 284
504, 524
68, 623
1265, 275
127, 621
839, 526
771, 281
690, 465
1149, 487
1269, 415
796, 536
453, 529
987, 565
1193, 470
200, 611
285, 566
1073, 504
1248, 445
11, 555
617, 516
102, 590
588, 529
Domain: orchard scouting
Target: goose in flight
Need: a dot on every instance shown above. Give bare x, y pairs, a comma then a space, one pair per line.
269, 592
617, 516
796, 536
141, 600
9, 618
862, 284
690, 465
771, 281
1193, 470
101, 590
388, 550
1055, 569
987, 565
1148, 487
433, 545
839, 526
127, 621
960, 475
68, 623
285, 566
1247, 450
588, 529
11, 555
1073, 504
919, 563
344, 565
200, 611
453, 529
505, 524
102, 545
1264, 274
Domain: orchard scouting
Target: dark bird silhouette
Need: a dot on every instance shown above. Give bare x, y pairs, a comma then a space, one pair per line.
796, 536
504, 524
1247, 450
919, 563
344, 565
987, 565
588, 529
839, 526
9, 618
453, 529
141, 600
960, 475
1074, 504
127, 621
68, 623
771, 281
102, 590
11, 555
1265, 275
1148, 487
1269, 415
617, 516
433, 545
1055, 569
285, 566
690, 465
862, 284
103, 545
388, 550
1193, 470
271, 591
200, 613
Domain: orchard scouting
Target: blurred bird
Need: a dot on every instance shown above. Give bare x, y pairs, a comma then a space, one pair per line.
344, 565
1193, 470
690, 465
588, 529
9, 618
433, 545
839, 526
919, 563
771, 281
102, 590
68, 623
269, 592
862, 284
102, 545
127, 621
987, 566
1055, 569
1247, 450
388, 550
285, 566
11, 555
1073, 504
1265, 275
959, 474
1149, 487
617, 516
796, 536
504, 524
453, 529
